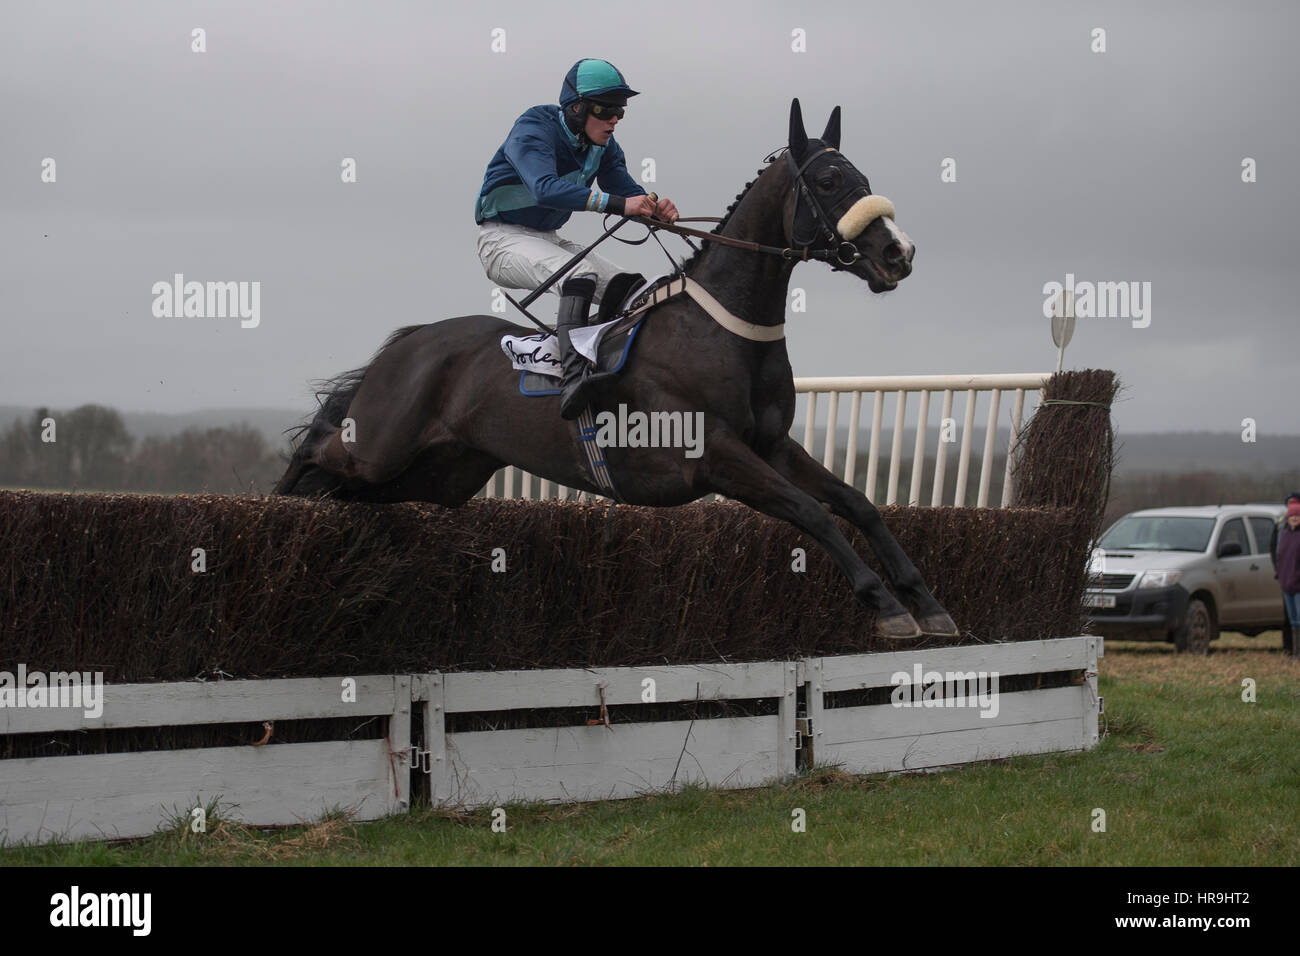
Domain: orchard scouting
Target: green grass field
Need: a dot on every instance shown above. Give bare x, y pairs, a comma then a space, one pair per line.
1187, 774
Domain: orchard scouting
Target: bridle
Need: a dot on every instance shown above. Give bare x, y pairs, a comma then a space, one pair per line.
845, 252
839, 253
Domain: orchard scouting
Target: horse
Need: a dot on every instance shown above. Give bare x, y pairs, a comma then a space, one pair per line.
436, 412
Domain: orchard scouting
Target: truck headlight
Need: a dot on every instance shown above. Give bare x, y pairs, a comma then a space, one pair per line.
1159, 579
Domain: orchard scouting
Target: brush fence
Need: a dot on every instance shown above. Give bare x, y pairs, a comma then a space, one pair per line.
483, 739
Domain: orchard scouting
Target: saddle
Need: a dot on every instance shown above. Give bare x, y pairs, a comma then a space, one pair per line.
606, 343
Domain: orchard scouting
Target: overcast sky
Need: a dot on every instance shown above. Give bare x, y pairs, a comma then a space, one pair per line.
225, 165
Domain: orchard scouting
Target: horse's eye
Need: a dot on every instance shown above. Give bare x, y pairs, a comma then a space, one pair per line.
829, 179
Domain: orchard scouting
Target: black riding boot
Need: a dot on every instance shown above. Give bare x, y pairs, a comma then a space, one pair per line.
576, 294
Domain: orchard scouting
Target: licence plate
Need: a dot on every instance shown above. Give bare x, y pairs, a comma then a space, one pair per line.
1099, 600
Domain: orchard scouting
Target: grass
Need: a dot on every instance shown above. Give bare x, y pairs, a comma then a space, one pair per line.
1188, 774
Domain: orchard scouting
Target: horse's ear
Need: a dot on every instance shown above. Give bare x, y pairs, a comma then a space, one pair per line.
798, 138
832, 135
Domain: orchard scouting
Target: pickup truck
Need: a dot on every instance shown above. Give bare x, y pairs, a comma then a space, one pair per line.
1182, 574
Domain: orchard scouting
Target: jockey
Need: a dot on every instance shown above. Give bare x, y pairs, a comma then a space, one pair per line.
540, 176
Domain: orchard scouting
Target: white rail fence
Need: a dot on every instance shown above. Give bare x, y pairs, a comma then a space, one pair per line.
444, 735
942, 400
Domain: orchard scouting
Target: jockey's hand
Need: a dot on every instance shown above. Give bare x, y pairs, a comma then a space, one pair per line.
638, 206
666, 211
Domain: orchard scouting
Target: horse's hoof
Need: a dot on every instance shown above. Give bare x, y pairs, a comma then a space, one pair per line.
938, 625
900, 627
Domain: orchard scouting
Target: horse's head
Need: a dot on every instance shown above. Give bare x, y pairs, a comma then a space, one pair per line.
831, 210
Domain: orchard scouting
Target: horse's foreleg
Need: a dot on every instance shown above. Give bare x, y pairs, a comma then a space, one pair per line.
732, 469
794, 463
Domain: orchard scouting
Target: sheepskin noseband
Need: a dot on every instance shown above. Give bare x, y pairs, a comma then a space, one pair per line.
861, 214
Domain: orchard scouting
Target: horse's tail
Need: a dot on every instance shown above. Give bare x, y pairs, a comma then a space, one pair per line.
333, 398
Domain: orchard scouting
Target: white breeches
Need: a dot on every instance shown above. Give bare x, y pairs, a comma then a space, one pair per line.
517, 257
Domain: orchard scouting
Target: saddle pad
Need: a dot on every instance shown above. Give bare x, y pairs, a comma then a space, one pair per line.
541, 353
612, 348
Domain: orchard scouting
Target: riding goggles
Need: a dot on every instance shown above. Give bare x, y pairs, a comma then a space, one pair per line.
604, 111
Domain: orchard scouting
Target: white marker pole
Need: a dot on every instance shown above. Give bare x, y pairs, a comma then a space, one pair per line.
1062, 323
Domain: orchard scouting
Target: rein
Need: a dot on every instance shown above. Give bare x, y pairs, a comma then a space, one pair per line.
785, 253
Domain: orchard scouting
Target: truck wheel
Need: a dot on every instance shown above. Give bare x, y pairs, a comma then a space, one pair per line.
1198, 630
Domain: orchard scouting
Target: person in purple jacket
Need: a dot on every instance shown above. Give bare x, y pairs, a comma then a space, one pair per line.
1289, 643
1288, 564
559, 160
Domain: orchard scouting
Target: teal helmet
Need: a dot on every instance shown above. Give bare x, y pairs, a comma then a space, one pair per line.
594, 79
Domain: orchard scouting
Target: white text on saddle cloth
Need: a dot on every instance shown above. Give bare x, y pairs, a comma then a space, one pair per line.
541, 353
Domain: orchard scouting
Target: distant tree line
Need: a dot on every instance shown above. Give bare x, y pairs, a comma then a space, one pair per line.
1174, 489
1129, 491
93, 451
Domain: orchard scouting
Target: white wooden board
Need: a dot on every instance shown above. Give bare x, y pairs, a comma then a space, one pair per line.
526, 690
883, 737
856, 671
882, 721
213, 702
595, 763
44, 799
953, 747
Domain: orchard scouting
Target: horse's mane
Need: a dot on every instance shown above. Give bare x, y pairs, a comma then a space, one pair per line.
726, 216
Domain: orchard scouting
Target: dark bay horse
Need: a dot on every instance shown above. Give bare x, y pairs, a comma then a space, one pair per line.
438, 411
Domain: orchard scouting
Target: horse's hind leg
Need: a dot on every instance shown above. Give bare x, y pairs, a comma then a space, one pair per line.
290, 477
380, 462
393, 463
289, 480
460, 474
445, 474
